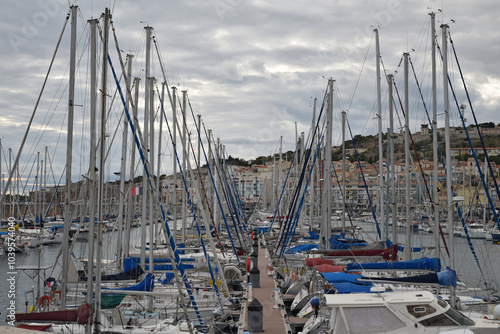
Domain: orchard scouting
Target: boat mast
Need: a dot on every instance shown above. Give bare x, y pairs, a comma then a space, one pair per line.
174, 142
408, 247
69, 156
92, 166
102, 156
145, 188
184, 158
121, 204
313, 186
128, 193
280, 181
44, 190
343, 170
152, 220
434, 138
327, 177
390, 81
380, 147
449, 194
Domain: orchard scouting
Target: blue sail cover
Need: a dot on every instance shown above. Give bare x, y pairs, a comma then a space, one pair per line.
352, 288
433, 264
347, 283
339, 241
301, 248
447, 277
131, 271
340, 277
165, 267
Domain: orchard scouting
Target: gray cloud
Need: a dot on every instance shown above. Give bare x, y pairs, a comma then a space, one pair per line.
250, 67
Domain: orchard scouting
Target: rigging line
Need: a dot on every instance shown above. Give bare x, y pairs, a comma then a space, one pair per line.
16, 162
177, 263
210, 152
442, 162
479, 132
364, 180
233, 194
200, 176
226, 192
194, 215
418, 159
296, 215
359, 76
236, 195
230, 198
197, 126
344, 204
478, 167
291, 208
165, 78
313, 135
480, 174
321, 134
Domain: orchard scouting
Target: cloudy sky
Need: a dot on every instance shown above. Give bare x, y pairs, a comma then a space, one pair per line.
251, 67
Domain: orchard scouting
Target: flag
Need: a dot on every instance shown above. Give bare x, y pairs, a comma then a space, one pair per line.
136, 191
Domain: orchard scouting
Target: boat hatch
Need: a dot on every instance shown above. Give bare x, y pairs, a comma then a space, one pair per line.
419, 311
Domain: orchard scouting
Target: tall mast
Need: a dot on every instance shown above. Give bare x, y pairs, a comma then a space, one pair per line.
44, 190
407, 160
313, 186
390, 79
92, 165
69, 155
158, 164
121, 206
327, 177
128, 194
174, 186
102, 155
184, 159
434, 138
381, 202
343, 170
145, 187
449, 194
152, 220
280, 180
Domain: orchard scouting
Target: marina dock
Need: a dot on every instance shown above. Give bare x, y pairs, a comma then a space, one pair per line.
274, 317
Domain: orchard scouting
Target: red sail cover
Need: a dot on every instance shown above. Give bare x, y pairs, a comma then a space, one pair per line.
81, 316
317, 260
328, 268
390, 254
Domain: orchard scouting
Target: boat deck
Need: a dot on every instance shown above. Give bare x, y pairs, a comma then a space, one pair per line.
274, 319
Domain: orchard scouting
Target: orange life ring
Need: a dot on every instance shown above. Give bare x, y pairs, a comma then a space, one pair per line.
293, 277
44, 300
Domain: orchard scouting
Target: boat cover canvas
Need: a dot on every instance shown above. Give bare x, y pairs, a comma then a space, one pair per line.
301, 248
432, 264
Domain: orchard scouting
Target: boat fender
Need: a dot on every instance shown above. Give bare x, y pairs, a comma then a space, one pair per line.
249, 261
293, 277
45, 300
311, 286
